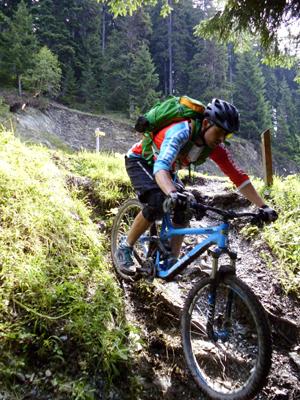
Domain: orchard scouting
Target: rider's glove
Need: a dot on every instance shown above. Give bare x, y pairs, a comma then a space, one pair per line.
190, 198
179, 201
268, 214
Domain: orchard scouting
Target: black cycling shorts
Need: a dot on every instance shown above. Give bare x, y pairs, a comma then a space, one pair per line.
141, 176
148, 191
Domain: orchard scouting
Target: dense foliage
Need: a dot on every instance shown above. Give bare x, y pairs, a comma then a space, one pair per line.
99, 63
274, 25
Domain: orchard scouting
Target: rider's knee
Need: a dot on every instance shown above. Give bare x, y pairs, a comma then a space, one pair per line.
182, 217
154, 209
152, 214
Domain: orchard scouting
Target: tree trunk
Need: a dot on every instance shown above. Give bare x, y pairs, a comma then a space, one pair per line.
20, 85
103, 30
166, 78
170, 55
103, 44
230, 72
131, 107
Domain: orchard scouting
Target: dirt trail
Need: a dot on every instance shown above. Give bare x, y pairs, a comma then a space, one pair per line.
160, 366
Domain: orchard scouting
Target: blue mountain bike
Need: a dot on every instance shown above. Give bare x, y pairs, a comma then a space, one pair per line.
224, 328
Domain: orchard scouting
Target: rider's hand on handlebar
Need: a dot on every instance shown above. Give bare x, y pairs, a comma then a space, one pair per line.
179, 201
268, 214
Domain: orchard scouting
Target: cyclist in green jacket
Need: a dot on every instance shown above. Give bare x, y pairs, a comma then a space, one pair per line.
154, 184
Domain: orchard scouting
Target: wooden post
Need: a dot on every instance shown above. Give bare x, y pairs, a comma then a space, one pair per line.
97, 140
98, 133
267, 157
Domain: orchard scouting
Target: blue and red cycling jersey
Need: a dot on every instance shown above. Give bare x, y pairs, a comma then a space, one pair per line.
172, 140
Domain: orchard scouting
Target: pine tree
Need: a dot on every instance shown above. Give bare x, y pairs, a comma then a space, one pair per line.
172, 47
296, 144
130, 33
70, 88
45, 77
184, 43
88, 38
56, 27
271, 85
296, 96
271, 89
159, 48
249, 96
89, 88
286, 118
72, 29
143, 81
208, 72
18, 43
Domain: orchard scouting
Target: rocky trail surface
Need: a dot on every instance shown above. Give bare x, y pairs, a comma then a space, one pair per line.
160, 367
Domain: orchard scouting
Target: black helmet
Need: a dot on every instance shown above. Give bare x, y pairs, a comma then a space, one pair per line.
224, 115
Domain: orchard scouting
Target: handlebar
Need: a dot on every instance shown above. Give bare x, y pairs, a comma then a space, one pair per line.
199, 210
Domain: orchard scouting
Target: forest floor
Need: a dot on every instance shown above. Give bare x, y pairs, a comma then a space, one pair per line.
160, 369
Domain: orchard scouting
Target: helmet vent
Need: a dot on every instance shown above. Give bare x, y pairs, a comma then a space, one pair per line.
223, 114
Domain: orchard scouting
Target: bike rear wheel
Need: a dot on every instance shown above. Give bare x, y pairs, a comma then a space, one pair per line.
122, 223
235, 366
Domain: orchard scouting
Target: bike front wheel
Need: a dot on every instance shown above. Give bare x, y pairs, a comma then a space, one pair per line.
122, 223
235, 364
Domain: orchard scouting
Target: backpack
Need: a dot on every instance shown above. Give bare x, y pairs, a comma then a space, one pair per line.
175, 109
161, 115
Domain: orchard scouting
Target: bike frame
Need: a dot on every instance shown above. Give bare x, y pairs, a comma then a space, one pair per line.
217, 235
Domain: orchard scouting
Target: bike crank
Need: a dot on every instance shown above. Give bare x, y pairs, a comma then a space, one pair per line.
148, 270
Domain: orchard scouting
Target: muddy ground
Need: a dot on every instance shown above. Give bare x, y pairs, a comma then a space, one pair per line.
159, 364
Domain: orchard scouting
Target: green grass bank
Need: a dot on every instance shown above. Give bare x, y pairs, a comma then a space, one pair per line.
61, 308
62, 312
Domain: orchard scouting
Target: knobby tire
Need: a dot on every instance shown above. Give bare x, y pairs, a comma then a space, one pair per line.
121, 225
238, 368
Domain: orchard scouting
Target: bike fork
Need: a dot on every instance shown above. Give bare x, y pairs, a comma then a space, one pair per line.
216, 274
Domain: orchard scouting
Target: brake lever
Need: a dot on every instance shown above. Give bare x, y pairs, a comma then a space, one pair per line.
199, 210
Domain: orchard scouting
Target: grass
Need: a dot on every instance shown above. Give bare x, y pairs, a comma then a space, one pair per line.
58, 293
61, 308
99, 177
283, 236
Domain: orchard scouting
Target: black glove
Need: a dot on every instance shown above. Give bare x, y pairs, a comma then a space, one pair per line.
179, 201
268, 214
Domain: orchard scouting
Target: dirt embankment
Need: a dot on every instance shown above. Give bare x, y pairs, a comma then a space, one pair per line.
53, 125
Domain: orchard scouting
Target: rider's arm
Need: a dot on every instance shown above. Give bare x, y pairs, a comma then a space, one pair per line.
251, 194
223, 158
164, 181
175, 140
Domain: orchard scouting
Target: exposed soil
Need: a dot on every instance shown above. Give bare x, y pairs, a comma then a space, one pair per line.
160, 365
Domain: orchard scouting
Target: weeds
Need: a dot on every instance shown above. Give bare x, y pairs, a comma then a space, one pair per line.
100, 178
58, 296
283, 236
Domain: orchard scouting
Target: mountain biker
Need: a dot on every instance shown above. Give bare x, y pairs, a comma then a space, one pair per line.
155, 184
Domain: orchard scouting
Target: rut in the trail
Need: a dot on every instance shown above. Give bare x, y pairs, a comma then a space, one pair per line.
161, 365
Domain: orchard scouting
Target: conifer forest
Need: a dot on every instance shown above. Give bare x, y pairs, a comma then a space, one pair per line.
76, 52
